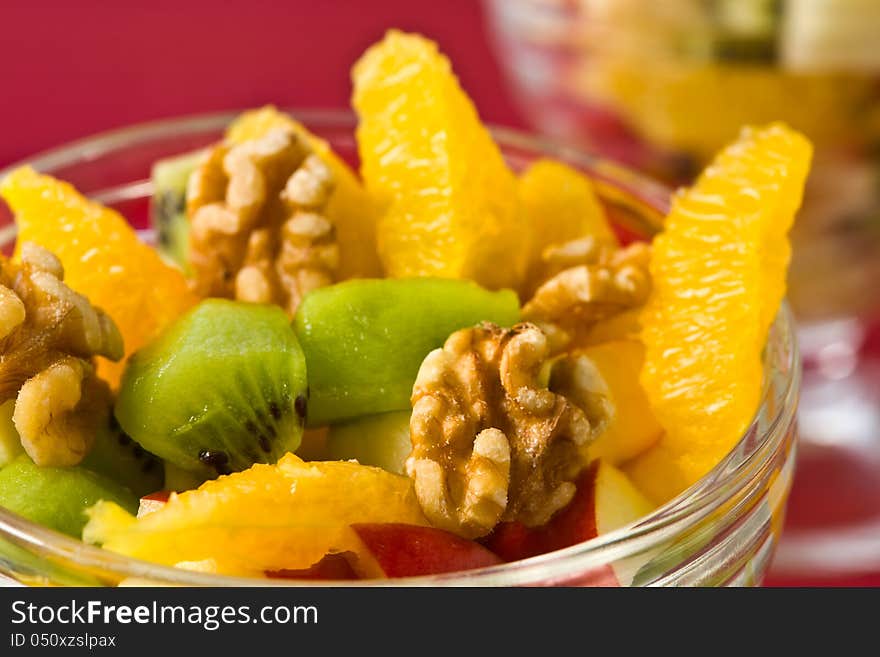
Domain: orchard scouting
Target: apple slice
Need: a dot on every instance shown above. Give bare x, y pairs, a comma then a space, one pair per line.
330, 567
381, 440
605, 500
153, 502
401, 550
574, 524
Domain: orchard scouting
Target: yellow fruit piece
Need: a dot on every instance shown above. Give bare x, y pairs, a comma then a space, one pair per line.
622, 326
102, 257
452, 208
269, 517
718, 272
560, 205
352, 210
632, 427
618, 503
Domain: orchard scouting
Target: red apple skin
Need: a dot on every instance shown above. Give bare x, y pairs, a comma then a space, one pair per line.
159, 496
330, 567
153, 502
574, 524
402, 550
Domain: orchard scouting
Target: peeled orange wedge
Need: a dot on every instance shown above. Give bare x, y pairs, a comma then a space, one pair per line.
451, 201
102, 257
351, 209
269, 517
718, 270
560, 205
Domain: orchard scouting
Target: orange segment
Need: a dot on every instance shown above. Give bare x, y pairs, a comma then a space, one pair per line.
102, 257
352, 210
719, 272
452, 209
269, 517
560, 205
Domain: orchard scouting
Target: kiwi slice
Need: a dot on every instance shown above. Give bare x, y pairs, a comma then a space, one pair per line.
116, 456
168, 205
10, 442
58, 497
365, 339
223, 388
179, 480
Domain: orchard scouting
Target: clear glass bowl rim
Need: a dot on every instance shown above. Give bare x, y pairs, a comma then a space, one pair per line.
702, 499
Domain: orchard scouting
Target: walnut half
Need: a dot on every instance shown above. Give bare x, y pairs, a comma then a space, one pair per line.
490, 442
588, 281
49, 335
259, 229
59, 410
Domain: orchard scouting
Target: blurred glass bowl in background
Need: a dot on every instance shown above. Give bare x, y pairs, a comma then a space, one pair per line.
661, 86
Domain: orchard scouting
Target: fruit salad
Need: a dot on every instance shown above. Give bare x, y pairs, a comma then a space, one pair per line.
425, 363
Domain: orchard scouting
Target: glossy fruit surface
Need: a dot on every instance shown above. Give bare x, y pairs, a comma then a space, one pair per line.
118, 457
451, 200
268, 518
718, 271
57, 498
224, 387
401, 550
364, 340
605, 500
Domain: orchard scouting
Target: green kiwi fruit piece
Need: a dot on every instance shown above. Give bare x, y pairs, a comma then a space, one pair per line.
381, 440
116, 456
179, 480
222, 388
58, 497
365, 340
168, 205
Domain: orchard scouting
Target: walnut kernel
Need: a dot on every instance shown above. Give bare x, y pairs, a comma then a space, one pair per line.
50, 335
259, 230
59, 411
490, 442
589, 281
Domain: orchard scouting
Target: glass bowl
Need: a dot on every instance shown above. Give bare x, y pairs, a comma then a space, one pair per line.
721, 531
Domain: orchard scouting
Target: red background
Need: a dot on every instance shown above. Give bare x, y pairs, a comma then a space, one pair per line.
71, 68
74, 68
